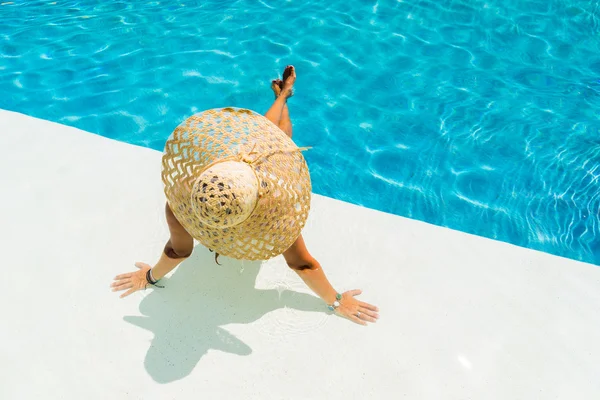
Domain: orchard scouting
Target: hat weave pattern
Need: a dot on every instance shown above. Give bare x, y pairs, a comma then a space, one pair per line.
237, 183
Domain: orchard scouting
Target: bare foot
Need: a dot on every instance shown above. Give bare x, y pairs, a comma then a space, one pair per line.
287, 84
276, 85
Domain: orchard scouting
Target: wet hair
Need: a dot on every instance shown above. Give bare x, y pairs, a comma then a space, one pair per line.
216, 256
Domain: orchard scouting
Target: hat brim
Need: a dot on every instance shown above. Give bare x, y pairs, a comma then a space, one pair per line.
284, 179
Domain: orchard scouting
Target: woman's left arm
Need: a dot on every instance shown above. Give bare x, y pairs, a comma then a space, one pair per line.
310, 271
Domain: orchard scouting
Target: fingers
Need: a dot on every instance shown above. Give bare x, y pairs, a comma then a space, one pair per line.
357, 320
127, 293
122, 286
140, 265
127, 281
354, 292
368, 312
368, 306
365, 317
358, 311
360, 316
120, 281
123, 276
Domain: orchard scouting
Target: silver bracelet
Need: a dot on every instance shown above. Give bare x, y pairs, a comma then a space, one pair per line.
152, 277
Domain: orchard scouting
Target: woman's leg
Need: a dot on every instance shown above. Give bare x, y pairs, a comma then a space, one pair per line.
274, 113
279, 113
297, 256
285, 123
181, 243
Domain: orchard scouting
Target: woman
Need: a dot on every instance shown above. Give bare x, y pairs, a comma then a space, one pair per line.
180, 245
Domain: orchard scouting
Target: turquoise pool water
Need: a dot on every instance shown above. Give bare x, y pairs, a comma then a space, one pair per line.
482, 116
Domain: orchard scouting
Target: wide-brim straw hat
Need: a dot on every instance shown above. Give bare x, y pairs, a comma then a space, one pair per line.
237, 183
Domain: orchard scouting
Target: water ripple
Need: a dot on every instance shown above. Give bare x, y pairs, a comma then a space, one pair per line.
476, 115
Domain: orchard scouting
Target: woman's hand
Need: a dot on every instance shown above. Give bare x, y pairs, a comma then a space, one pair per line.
355, 310
133, 281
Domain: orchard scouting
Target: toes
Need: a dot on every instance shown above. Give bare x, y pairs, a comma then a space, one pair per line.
276, 87
276, 83
287, 72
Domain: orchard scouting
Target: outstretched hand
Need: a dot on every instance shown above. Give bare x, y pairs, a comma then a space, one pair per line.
131, 281
355, 310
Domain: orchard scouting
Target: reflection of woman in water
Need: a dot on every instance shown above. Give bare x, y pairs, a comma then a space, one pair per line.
180, 244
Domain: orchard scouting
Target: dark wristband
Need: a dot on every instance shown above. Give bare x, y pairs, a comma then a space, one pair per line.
152, 281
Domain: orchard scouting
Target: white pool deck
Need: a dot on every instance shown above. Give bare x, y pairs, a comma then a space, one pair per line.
462, 317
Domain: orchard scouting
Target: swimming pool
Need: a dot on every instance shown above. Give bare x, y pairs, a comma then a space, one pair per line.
481, 116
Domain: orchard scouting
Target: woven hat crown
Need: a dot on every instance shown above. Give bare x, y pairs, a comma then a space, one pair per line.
225, 194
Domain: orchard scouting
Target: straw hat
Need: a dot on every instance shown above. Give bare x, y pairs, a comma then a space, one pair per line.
237, 183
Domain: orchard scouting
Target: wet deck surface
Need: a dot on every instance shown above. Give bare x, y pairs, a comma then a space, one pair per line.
461, 316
